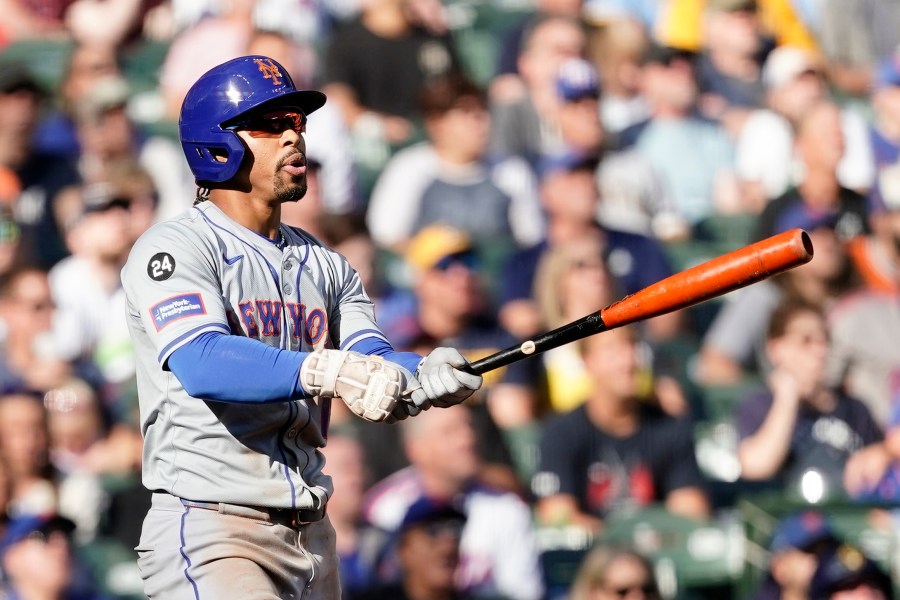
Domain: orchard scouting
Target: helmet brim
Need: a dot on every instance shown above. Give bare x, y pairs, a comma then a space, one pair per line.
307, 101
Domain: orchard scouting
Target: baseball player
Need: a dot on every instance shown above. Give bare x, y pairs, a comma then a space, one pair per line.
244, 331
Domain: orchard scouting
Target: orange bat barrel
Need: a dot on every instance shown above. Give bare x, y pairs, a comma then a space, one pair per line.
713, 278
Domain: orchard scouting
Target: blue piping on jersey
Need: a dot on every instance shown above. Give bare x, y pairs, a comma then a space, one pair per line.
188, 334
305, 453
283, 452
352, 339
184, 555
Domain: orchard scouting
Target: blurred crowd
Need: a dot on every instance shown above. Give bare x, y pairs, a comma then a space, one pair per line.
493, 170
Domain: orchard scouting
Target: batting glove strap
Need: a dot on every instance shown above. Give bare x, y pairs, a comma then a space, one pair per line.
369, 385
443, 382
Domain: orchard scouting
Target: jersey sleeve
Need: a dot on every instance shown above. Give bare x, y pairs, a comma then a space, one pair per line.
172, 288
354, 319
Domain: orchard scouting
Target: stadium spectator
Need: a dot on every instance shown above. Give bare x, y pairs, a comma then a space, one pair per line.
38, 561
607, 573
729, 63
85, 66
616, 46
766, 159
85, 446
798, 542
86, 285
498, 550
29, 359
451, 178
571, 201
41, 176
733, 348
693, 156
572, 280
848, 573
617, 452
798, 432
877, 256
820, 146
24, 451
864, 359
511, 38
449, 307
526, 116
854, 36
428, 553
375, 66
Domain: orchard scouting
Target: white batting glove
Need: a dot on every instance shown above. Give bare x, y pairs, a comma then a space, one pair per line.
369, 385
443, 382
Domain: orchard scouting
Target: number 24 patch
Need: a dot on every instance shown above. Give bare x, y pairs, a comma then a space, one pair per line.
161, 266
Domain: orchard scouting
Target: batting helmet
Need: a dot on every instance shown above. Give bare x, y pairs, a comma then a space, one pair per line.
225, 92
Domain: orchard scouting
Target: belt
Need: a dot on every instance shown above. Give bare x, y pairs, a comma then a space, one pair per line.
293, 518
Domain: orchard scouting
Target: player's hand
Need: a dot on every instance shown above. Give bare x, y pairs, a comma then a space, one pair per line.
443, 381
369, 385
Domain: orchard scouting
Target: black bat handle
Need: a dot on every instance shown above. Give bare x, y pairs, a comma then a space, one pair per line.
583, 327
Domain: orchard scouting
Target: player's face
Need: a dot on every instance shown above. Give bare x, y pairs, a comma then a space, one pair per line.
276, 143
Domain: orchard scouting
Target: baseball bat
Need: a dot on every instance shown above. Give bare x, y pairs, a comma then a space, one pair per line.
710, 279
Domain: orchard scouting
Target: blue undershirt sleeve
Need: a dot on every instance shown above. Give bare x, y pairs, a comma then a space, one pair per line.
376, 346
231, 368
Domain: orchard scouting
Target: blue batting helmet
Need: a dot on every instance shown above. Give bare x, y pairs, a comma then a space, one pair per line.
230, 90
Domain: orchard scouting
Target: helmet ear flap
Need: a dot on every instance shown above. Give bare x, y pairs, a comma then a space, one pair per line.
205, 156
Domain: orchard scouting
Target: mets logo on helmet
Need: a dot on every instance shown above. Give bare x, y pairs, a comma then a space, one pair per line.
269, 70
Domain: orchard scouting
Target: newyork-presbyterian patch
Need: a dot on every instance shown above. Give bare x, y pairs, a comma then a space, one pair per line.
176, 307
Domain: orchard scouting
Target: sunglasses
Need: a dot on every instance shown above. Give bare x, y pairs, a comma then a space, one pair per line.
467, 259
271, 124
647, 589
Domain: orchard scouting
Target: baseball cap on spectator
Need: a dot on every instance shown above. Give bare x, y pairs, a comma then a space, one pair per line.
426, 510
846, 567
15, 76
565, 162
577, 79
803, 531
785, 64
99, 197
435, 244
887, 72
26, 526
105, 95
664, 55
731, 5
95, 198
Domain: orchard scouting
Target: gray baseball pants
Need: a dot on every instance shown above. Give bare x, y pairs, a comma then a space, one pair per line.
228, 551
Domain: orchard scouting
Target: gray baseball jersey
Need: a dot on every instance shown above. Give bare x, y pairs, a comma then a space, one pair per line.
203, 272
